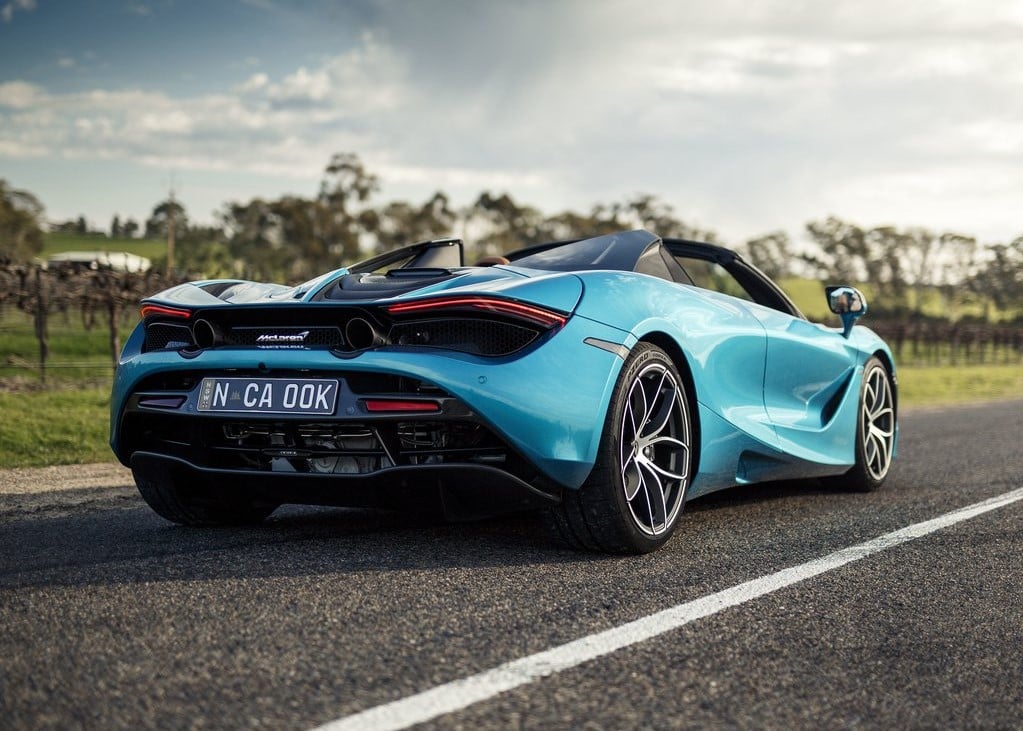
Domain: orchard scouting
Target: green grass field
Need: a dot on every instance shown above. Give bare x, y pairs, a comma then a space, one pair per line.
76, 353
66, 426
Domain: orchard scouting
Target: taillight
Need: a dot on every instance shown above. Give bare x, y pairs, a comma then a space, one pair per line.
537, 315
161, 311
166, 328
400, 406
475, 324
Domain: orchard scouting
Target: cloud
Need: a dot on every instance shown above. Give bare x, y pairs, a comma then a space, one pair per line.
8, 10
20, 94
264, 125
747, 116
140, 9
254, 83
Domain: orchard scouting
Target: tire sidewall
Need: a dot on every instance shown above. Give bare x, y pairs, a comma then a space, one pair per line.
861, 473
611, 443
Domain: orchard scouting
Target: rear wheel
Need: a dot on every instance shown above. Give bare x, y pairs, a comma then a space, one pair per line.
190, 504
632, 499
875, 431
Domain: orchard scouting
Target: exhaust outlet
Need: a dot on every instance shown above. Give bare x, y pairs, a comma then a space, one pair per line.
206, 334
361, 334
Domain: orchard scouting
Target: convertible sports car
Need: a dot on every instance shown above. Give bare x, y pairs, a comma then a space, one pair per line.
604, 381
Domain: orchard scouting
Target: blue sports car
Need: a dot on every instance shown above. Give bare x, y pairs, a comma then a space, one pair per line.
604, 381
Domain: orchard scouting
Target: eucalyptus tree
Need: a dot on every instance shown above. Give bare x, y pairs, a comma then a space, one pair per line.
21, 218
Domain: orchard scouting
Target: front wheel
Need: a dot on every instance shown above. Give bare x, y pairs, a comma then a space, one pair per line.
632, 499
875, 431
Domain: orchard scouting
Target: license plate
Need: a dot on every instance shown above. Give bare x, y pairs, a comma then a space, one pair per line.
268, 395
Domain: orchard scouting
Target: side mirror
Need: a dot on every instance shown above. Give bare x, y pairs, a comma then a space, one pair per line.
848, 303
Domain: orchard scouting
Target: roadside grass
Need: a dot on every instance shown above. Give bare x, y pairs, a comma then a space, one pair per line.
941, 385
53, 426
66, 426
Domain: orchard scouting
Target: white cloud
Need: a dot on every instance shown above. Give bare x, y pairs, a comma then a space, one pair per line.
139, 9
253, 83
8, 10
20, 94
301, 86
746, 116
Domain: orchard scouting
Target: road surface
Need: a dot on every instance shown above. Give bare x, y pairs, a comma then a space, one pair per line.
111, 617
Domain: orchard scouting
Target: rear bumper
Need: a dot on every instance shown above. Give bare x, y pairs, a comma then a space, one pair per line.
456, 492
546, 405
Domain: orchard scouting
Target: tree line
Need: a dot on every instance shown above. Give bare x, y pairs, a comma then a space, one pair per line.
925, 287
293, 238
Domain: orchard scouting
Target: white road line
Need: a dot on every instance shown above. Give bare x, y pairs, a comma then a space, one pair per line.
462, 693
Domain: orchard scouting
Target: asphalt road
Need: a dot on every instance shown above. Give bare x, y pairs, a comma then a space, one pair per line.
112, 618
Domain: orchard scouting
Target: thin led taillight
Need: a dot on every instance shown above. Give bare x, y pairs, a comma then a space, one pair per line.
397, 405
540, 316
161, 311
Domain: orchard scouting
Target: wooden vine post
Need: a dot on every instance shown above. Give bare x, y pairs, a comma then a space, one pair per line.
41, 326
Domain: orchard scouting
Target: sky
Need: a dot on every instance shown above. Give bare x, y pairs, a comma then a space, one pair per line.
746, 116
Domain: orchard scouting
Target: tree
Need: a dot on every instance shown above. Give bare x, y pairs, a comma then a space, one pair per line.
254, 237
295, 220
21, 215
771, 254
345, 182
400, 223
115, 227
847, 253
130, 228
156, 224
1002, 278
504, 224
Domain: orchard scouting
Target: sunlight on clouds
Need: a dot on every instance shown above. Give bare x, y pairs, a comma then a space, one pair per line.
369, 77
752, 65
941, 196
301, 86
172, 122
213, 131
253, 83
1002, 136
439, 177
20, 95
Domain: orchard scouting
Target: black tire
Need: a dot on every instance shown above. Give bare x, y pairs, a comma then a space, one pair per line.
617, 510
189, 504
875, 431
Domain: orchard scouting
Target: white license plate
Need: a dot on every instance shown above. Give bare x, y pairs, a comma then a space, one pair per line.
315, 396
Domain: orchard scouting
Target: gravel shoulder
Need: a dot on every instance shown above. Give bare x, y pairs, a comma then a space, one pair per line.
63, 489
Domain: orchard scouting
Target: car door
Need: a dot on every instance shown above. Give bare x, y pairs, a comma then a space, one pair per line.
809, 368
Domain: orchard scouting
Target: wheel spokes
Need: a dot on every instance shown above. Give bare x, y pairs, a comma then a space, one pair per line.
878, 423
656, 499
655, 453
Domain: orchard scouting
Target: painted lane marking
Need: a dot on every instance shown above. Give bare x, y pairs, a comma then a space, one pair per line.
462, 693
